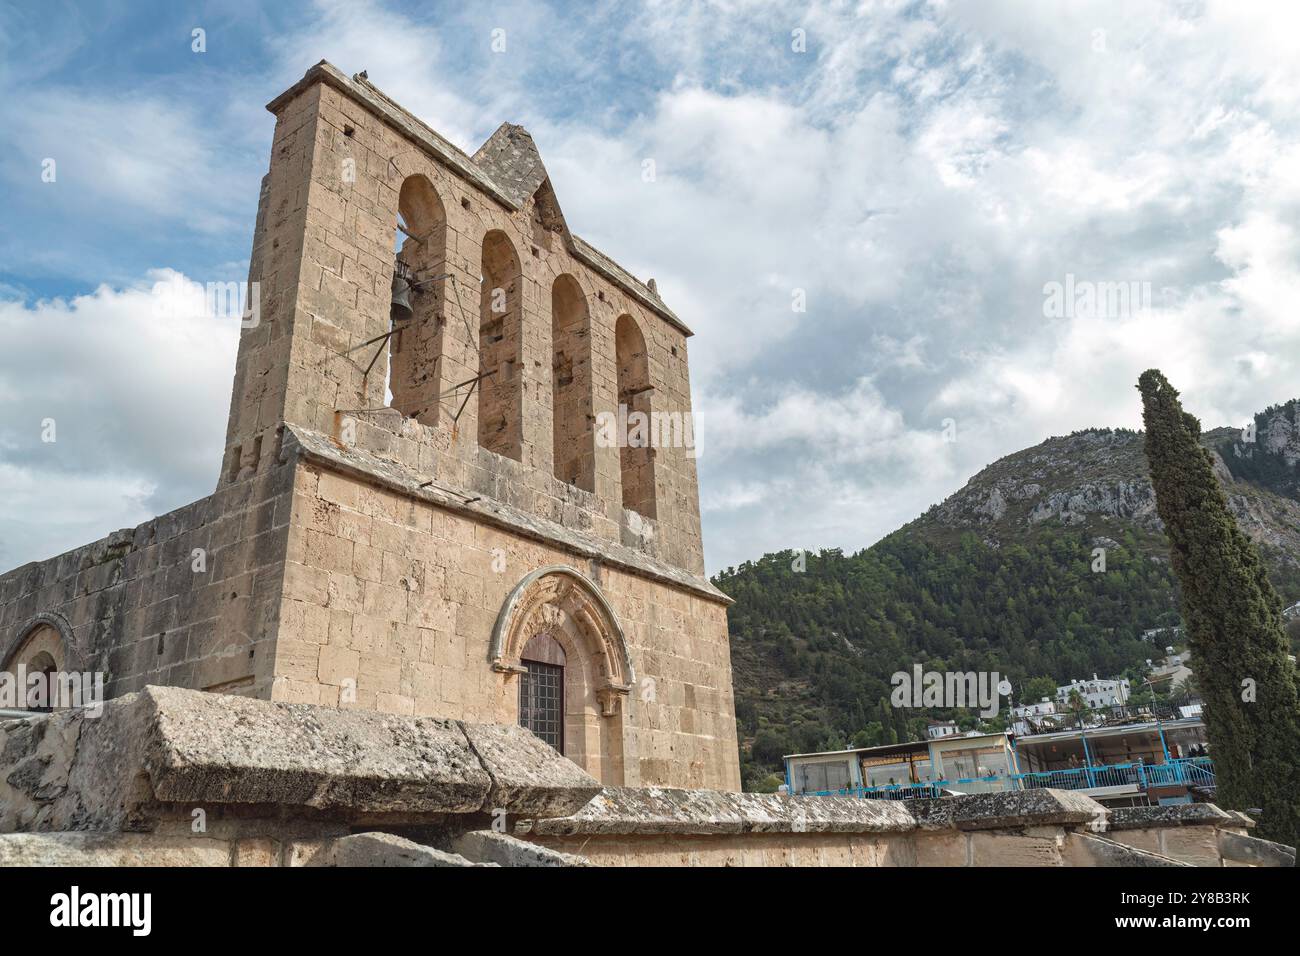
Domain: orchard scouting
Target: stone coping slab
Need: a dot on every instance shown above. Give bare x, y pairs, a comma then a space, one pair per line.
1012, 808
169, 745
1173, 815
655, 810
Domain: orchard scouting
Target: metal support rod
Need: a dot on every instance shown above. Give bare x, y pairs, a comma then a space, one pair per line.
410, 235
357, 348
464, 318
472, 383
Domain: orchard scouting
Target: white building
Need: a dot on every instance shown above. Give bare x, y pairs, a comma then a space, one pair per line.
1095, 693
1026, 715
941, 728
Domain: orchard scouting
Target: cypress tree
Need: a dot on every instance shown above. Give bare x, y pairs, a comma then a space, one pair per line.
1234, 622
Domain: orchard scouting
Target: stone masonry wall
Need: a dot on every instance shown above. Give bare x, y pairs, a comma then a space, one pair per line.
133, 606
397, 598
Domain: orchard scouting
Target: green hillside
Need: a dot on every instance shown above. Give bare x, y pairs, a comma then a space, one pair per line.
998, 577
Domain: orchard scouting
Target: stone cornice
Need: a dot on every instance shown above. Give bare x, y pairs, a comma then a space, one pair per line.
323, 450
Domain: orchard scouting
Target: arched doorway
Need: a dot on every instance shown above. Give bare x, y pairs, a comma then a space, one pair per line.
559, 639
40, 652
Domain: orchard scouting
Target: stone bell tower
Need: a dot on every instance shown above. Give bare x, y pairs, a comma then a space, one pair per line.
458, 478
442, 357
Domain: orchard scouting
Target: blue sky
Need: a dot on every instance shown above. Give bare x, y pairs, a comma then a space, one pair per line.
921, 171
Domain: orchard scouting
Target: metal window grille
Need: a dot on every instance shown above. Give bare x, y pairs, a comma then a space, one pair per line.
541, 702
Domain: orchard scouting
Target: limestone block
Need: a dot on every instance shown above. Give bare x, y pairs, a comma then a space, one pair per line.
1011, 808
1088, 849
257, 851
110, 849
528, 777
488, 846
166, 745
1198, 846
239, 750
1002, 848
1252, 851
383, 849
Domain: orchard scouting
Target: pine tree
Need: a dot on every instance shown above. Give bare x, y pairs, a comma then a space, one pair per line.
1234, 622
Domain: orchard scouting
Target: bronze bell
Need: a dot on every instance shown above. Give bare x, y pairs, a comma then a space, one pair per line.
400, 309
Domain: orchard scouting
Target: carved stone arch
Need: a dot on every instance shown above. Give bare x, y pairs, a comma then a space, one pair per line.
597, 676
635, 408
43, 645
557, 598
67, 656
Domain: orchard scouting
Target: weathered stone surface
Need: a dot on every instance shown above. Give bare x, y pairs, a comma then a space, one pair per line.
1006, 848
1015, 808
1088, 849
488, 846
527, 776
132, 606
236, 750
1175, 815
652, 810
314, 446
384, 849
1253, 851
168, 746
111, 849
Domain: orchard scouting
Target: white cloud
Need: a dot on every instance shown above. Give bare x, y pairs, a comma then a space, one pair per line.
921, 172
138, 404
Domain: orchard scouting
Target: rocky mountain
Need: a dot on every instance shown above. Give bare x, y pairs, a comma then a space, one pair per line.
1001, 575
1096, 480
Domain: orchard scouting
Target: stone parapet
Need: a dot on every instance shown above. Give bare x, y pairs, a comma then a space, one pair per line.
656, 811
1175, 815
148, 752
168, 776
1012, 808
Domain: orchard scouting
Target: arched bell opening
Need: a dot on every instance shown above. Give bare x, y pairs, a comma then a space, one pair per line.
417, 308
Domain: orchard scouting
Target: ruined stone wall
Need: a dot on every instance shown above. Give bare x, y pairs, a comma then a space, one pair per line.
133, 606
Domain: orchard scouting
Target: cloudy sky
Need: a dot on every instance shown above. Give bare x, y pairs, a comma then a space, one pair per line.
918, 174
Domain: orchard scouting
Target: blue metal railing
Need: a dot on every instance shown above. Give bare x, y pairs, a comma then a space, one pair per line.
891, 791
1187, 771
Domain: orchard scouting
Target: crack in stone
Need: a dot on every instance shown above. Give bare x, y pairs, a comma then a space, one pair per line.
492, 787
